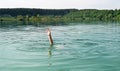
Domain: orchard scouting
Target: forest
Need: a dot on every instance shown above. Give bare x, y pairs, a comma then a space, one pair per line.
58, 16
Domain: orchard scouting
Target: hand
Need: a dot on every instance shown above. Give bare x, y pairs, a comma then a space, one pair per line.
48, 31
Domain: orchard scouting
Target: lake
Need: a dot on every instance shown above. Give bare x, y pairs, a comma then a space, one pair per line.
80, 47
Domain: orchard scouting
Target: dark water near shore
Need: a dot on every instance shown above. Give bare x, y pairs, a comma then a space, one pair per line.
94, 47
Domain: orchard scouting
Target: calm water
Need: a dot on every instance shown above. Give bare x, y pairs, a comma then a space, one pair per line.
77, 48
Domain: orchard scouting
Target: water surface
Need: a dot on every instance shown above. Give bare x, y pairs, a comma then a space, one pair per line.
76, 48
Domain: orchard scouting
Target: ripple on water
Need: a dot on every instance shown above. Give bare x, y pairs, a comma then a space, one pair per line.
89, 44
33, 47
28, 49
82, 39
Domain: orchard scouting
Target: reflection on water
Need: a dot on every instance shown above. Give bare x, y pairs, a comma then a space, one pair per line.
50, 50
50, 54
77, 48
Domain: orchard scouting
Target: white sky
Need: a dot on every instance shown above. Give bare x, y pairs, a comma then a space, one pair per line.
61, 4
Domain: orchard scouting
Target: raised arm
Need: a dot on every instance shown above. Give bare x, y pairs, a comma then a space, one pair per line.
49, 36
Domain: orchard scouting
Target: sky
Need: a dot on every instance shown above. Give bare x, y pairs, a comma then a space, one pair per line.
61, 4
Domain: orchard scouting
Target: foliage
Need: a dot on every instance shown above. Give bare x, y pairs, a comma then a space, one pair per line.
58, 16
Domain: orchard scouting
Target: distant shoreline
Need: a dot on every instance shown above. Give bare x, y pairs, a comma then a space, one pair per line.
56, 16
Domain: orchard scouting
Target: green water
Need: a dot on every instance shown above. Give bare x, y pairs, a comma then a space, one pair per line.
76, 48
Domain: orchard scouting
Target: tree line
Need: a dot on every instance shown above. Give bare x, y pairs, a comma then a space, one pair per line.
57, 16
32, 12
94, 15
